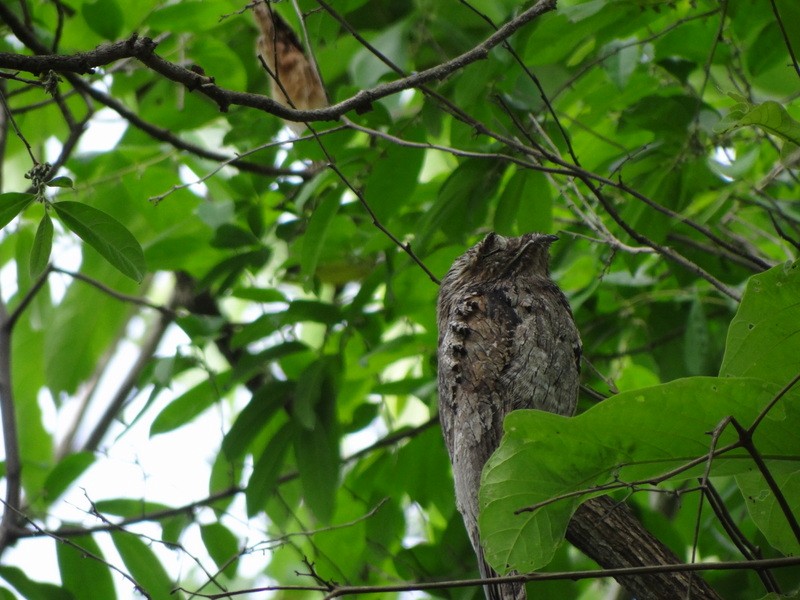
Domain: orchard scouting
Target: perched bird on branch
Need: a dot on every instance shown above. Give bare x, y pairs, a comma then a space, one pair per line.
507, 340
294, 81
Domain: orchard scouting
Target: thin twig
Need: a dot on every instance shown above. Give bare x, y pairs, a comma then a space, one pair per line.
164, 310
783, 562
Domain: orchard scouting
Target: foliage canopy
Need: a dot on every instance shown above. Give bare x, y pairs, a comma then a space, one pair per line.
202, 269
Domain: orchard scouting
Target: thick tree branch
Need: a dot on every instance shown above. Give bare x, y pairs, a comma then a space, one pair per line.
13, 467
610, 534
143, 50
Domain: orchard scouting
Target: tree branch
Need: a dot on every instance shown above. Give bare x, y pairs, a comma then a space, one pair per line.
143, 49
13, 466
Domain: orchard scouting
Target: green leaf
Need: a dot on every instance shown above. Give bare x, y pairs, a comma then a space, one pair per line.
63, 181
764, 336
317, 452
314, 238
104, 17
86, 577
525, 205
192, 403
32, 590
764, 341
462, 202
11, 204
222, 546
191, 16
65, 473
143, 565
267, 468
72, 350
393, 179
763, 507
696, 342
124, 507
310, 388
623, 57
42, 245
264, 404
228, 235
769, 116
106, 235
623, 439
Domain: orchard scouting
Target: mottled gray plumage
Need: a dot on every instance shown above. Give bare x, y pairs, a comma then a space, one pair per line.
507, 340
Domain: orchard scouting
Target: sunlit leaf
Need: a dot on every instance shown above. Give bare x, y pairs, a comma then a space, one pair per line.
81, 562
623, 439
11, 204
106, 235
144, 566
42, 244
65, 473
61, 182
192, 403
30, 589
223, 547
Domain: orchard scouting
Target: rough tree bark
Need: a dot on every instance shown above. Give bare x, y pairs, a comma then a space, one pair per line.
609, 533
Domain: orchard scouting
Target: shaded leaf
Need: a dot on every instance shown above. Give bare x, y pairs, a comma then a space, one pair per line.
254, 417
104, 17
267, 468
314, 239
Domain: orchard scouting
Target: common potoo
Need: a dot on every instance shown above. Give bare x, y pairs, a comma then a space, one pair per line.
294, 82
507, 340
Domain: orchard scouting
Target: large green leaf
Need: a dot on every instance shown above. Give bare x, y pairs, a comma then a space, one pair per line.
223, 547
764, 337
192, 403
764, 341
11, 204
106, 235
317, 449
65, 473
105, 17
30, 589
42, 244
769, 116
267, 468
144, 567
318, 226
623, 439
262, 407
86, 577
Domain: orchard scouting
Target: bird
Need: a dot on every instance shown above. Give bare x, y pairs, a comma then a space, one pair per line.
294, 81
507, 341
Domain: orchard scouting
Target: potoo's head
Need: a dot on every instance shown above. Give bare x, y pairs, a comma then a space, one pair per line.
498, 257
